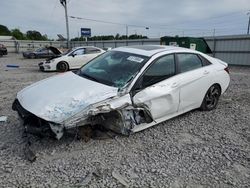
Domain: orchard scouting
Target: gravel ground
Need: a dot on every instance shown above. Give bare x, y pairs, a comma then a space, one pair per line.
197, 149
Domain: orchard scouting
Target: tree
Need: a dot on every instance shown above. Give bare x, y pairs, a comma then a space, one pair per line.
135, 36
117, 36
123, 37
35, 35
4, 31
18, 34
110, 37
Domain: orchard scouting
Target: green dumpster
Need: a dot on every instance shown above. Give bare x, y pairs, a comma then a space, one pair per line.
198, 44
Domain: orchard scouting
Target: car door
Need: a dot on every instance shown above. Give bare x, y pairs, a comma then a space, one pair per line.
46, 53
194, 80
77, 58
157, 89
43, 53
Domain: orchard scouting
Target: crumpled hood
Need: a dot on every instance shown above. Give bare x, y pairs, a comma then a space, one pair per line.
59, 97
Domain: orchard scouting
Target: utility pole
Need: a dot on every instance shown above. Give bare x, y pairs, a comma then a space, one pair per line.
214, 46
64, 4
127, 31
248, 27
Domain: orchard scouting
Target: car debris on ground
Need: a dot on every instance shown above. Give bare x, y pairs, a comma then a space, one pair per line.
3, 118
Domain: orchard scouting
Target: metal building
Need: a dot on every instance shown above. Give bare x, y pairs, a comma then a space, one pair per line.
234, 49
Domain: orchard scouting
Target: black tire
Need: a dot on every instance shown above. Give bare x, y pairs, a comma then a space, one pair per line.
211, 98
32, 56
62, 66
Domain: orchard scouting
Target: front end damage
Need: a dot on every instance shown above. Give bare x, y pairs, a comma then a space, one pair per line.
116, 114
33, 124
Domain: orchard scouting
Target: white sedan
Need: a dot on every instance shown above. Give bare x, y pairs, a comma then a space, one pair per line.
126, 89
73, 59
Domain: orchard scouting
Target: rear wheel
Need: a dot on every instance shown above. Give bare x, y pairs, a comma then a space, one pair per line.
62, 66
211, 98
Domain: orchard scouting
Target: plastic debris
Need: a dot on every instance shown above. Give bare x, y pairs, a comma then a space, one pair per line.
84, 180
30, 155
3, 118
121, 179
12, 66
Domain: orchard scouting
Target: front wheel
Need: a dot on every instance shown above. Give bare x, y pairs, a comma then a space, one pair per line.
62, 66
211, 98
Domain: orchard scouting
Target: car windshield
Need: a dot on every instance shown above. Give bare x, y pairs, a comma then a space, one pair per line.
67, 51
113, 68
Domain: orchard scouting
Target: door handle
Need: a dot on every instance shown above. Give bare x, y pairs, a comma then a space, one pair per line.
206, 72
174, 85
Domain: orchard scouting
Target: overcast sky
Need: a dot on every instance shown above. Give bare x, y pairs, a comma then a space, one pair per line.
163, 17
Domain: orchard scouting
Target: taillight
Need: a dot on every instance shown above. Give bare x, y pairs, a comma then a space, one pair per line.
226, 69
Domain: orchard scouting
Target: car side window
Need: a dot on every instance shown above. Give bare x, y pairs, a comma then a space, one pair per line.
161, 69
205, 62
79, 51
188, 62
92, 50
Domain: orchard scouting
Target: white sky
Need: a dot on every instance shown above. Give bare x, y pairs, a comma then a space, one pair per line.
163, 17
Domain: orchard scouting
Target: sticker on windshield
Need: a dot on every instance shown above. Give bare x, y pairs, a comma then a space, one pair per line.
135, 59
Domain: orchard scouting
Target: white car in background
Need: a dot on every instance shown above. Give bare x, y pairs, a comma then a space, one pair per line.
126, 89
73, 59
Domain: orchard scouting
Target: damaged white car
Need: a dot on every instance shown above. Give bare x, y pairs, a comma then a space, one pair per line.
126, 89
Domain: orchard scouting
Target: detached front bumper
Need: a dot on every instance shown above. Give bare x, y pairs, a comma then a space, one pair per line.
35, 125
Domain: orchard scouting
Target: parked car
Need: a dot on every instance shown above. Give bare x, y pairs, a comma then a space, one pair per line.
46, 52
72, 59
3, 50
126, 89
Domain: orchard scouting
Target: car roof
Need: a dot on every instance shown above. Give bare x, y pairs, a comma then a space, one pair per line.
84, 47
149, 50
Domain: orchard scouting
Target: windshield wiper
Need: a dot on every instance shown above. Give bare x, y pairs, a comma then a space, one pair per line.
131, 78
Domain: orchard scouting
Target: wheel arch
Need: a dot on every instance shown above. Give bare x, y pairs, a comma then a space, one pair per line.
218, 86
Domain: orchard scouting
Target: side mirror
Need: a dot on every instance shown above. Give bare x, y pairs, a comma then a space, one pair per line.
73, 55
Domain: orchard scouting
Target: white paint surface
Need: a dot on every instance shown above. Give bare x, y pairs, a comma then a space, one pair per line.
62, 96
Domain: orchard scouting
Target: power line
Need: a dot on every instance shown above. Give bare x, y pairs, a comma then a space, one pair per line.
209, 18
107, 22
220, 25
